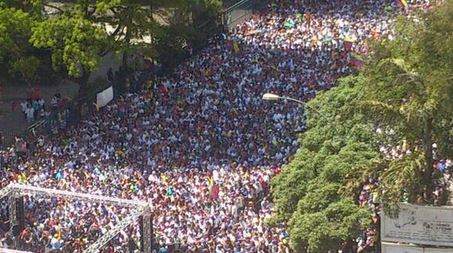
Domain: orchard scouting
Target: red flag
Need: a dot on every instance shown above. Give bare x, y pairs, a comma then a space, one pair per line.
215, 191
262, 182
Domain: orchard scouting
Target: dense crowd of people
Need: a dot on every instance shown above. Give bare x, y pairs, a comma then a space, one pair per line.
201, 146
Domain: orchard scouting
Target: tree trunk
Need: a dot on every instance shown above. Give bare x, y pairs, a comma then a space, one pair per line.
127, 37
83, 92
124, 62
151, 11
428, 151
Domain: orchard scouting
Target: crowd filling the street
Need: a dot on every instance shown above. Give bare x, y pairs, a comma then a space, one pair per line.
200, 145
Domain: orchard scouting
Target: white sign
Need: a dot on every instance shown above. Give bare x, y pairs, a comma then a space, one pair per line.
104, 97
420, 225
398, 248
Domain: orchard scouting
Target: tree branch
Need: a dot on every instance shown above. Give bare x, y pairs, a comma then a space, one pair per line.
105, 52
54, 7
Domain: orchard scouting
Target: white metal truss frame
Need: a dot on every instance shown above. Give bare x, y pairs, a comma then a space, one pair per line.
76, 195
9, 192
3, 250
101, 242
5, 191
141, 208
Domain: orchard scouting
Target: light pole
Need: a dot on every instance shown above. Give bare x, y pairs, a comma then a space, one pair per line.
274, 97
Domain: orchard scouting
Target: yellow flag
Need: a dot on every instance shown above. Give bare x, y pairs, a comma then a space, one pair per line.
58, 237
22, 178
236, 47
211, 183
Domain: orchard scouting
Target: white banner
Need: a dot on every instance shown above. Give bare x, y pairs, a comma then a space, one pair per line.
425, 225
104, 97
398, 248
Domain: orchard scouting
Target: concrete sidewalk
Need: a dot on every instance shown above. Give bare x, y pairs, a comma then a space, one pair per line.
12, 122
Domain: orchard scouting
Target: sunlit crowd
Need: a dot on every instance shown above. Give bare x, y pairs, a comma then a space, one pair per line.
201, 146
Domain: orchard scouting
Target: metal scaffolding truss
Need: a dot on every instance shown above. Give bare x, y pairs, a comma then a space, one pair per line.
139, 210
115, 230
5, 191
76, 195
3, 250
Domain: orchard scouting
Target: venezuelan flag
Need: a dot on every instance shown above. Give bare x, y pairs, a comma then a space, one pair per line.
402, 3
347, 45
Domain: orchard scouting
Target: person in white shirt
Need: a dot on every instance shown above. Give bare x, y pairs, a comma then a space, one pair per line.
30, 114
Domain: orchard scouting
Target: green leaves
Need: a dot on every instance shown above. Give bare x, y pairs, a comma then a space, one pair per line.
329, 228
408, 90
291, 184
75, 43
102, 6
313, 193
26, 67
73, 35
14, 32
406, 174
405, 91
16, 52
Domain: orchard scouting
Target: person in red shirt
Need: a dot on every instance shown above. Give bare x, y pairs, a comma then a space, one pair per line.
36, 93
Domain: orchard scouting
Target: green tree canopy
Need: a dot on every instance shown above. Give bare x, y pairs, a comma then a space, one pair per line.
77, 33
400, 102
16, 52
75, 42
76, 45
312, 193
409, 91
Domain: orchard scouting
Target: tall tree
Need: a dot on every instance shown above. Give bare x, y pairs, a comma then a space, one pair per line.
190, 27
409, 91
76, 43
135, 27
311, 192
402, 98
77, 36
16, 53
77, 33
